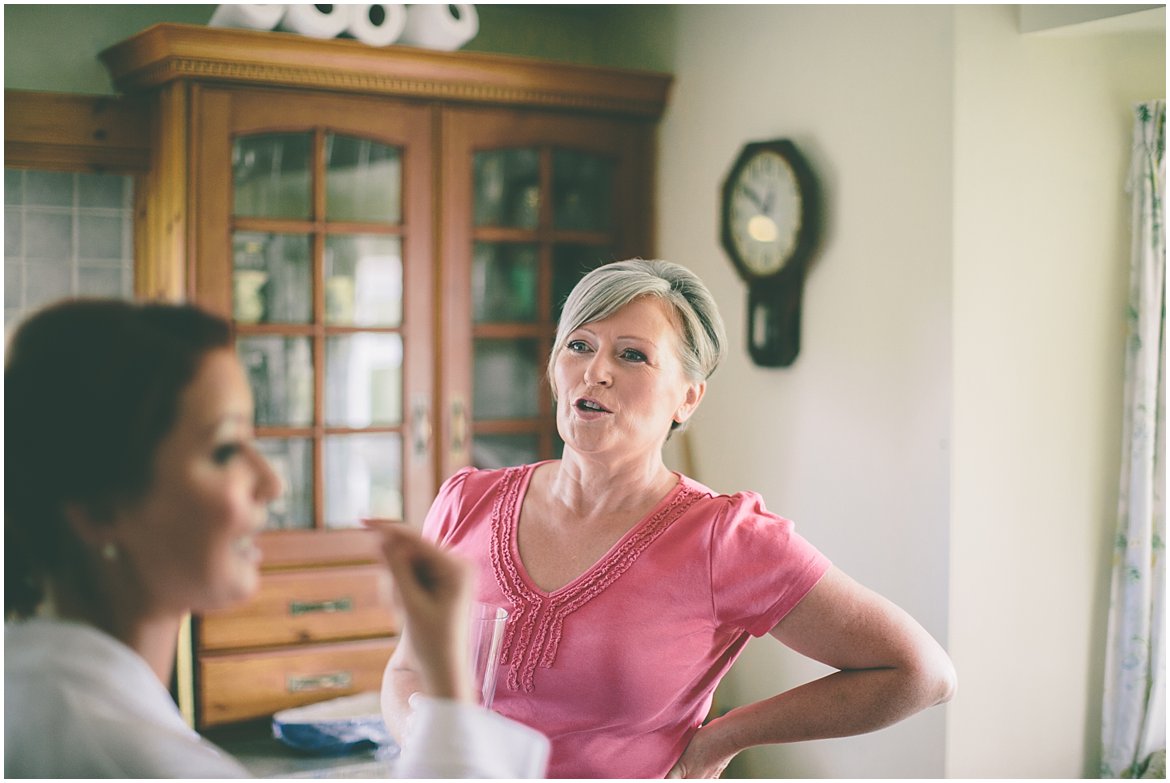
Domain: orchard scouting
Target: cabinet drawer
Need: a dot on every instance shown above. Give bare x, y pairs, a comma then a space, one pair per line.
312, 605
241, 686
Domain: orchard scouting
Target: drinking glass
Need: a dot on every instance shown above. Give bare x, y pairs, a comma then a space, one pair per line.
487, 633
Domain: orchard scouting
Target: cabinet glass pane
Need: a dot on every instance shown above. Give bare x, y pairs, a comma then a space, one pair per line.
271, 278
507, 188
507, 377
363, 280
363, 380
503, 282
582, 191
272, 176
280, 370
502, 451
363, 478
363, 180
292, 460
570, 264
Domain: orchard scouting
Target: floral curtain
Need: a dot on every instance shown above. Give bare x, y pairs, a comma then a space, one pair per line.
1134, 717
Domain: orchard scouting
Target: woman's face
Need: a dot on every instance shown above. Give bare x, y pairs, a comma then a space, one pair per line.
620, 382
189, 542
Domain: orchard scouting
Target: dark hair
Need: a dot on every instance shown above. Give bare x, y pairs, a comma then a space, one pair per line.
91, 387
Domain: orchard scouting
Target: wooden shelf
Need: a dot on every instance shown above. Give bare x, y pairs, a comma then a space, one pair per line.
170, 52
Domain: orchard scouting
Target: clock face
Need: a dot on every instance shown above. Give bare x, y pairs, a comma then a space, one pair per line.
764, 213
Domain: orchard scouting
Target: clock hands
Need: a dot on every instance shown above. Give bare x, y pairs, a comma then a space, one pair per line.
754, 197
766, 208
762, 204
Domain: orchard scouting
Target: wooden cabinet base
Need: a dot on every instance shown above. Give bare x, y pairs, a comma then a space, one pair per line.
250, 685
306, 606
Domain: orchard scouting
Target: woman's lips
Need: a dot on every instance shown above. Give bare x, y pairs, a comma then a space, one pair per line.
247, 548
588, 408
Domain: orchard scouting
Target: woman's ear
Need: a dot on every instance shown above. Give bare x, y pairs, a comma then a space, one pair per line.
89, 522
694, 396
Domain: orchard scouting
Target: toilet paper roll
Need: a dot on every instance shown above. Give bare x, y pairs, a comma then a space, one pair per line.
377, 25
316, 21
258, 16
439, 26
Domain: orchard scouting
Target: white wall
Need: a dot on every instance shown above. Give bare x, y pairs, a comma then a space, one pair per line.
852, 441
1042, 135
950, 432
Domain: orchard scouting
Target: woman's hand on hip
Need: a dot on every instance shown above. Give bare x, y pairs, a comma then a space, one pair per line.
701, 759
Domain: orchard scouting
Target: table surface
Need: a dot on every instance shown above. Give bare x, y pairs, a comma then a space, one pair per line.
266, 757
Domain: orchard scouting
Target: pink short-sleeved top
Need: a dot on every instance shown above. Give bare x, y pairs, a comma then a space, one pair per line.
618, 667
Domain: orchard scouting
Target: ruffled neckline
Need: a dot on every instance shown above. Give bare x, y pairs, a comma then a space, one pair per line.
536, 625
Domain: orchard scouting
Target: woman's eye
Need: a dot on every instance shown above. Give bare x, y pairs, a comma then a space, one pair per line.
630, 355
578, 346
225, 452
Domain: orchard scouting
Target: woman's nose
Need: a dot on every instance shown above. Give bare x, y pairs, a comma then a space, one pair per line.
269, 487
597, 372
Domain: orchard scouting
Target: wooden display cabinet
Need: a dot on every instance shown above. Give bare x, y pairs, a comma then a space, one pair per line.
392, 231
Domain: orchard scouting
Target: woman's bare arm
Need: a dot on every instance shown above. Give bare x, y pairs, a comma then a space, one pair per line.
433, 589
888, 668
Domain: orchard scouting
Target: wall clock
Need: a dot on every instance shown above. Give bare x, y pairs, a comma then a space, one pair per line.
770, 226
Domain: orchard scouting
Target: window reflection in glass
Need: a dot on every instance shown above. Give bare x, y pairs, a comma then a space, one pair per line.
363, 380
363, 180
503, 282
292, 461
271, 175
363, 280
507, 188
570, 264
271, 278
507, 377
582, 191
363, 478
280, 370
502, 451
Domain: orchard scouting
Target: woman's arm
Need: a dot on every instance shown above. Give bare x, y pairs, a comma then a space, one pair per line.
888, 666
444, 734
400, 681
433, 591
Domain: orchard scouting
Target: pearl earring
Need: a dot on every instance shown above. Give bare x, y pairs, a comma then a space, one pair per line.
109, 551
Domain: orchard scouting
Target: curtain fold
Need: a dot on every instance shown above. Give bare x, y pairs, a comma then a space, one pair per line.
1134, 715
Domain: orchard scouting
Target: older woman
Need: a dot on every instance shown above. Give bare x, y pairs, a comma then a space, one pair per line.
632, 588
133, 494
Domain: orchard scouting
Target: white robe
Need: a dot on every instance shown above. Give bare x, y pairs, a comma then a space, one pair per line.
80, 704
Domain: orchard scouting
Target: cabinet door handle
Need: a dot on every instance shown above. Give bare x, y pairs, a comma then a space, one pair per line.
421, 427
319, 682
296, 608
458, 426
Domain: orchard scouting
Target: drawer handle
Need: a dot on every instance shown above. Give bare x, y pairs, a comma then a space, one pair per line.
319, 682
296, 608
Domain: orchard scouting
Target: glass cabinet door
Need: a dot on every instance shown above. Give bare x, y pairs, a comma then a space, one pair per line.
532, 205
325, 233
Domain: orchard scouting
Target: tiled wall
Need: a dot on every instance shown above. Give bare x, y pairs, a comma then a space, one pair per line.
65, 234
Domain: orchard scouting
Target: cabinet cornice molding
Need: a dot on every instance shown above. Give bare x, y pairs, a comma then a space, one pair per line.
170, 52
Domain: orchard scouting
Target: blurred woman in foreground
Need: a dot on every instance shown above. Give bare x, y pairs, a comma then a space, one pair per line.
133, 495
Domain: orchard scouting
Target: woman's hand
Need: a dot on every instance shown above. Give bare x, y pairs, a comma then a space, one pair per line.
433, 591
701, 759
